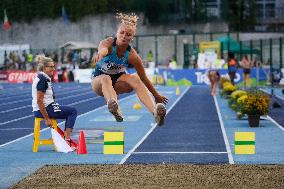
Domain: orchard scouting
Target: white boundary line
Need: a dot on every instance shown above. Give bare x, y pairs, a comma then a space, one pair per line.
18, 139
13, 120
268, 92
61, 98
230, 156
64, 98
13, 109
275, 122
10, 129
62, 122
150, 131
78, 102
81, 101
180, 152
270, 118
279, 97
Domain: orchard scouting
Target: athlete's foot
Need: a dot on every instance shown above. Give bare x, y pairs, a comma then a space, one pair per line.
160, 113
114, 109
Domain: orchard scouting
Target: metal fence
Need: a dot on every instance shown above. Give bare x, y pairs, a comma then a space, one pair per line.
184, 48
181, 47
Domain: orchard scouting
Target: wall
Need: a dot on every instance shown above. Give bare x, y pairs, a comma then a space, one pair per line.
50, 34
256, 36
53, 33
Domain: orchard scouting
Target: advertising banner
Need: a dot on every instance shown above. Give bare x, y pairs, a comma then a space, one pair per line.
21, 76
18, 76
176, 77
3, 75
188, 77
209, 55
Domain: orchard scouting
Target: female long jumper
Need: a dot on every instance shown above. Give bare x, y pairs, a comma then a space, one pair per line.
109, 79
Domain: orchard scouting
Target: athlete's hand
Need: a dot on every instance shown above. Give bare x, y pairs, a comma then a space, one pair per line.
161, 99
101, 53
48, 123
97, 58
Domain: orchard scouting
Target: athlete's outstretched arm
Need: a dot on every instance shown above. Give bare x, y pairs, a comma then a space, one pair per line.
103, 50
136, 61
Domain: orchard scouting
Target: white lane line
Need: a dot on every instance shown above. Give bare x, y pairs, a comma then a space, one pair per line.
81, 101
275, 122
13, 93
75, 95
22, 107
18, 139
29, 99
17, 96
68, 89
268, 92
230, 156
270, 118
11, 129
279, 97
179, 152
60, 123
151, 129
14, 109
11, 121
16, 101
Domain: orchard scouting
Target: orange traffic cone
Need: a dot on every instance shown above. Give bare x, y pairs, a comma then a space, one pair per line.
82, 149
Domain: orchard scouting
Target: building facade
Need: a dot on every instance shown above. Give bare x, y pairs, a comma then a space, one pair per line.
270, 15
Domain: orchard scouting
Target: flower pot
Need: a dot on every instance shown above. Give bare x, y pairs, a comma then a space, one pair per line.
253, 120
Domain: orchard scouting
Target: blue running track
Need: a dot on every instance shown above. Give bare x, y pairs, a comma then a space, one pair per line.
199, 129
192, 134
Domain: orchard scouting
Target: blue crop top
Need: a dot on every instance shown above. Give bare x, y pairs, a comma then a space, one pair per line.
112, 64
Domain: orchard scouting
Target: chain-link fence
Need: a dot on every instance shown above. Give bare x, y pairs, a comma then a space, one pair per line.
184, 48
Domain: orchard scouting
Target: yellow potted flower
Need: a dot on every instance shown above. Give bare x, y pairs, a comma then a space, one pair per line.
228, 88
255, 104
234, 102
237, 94
222, 81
